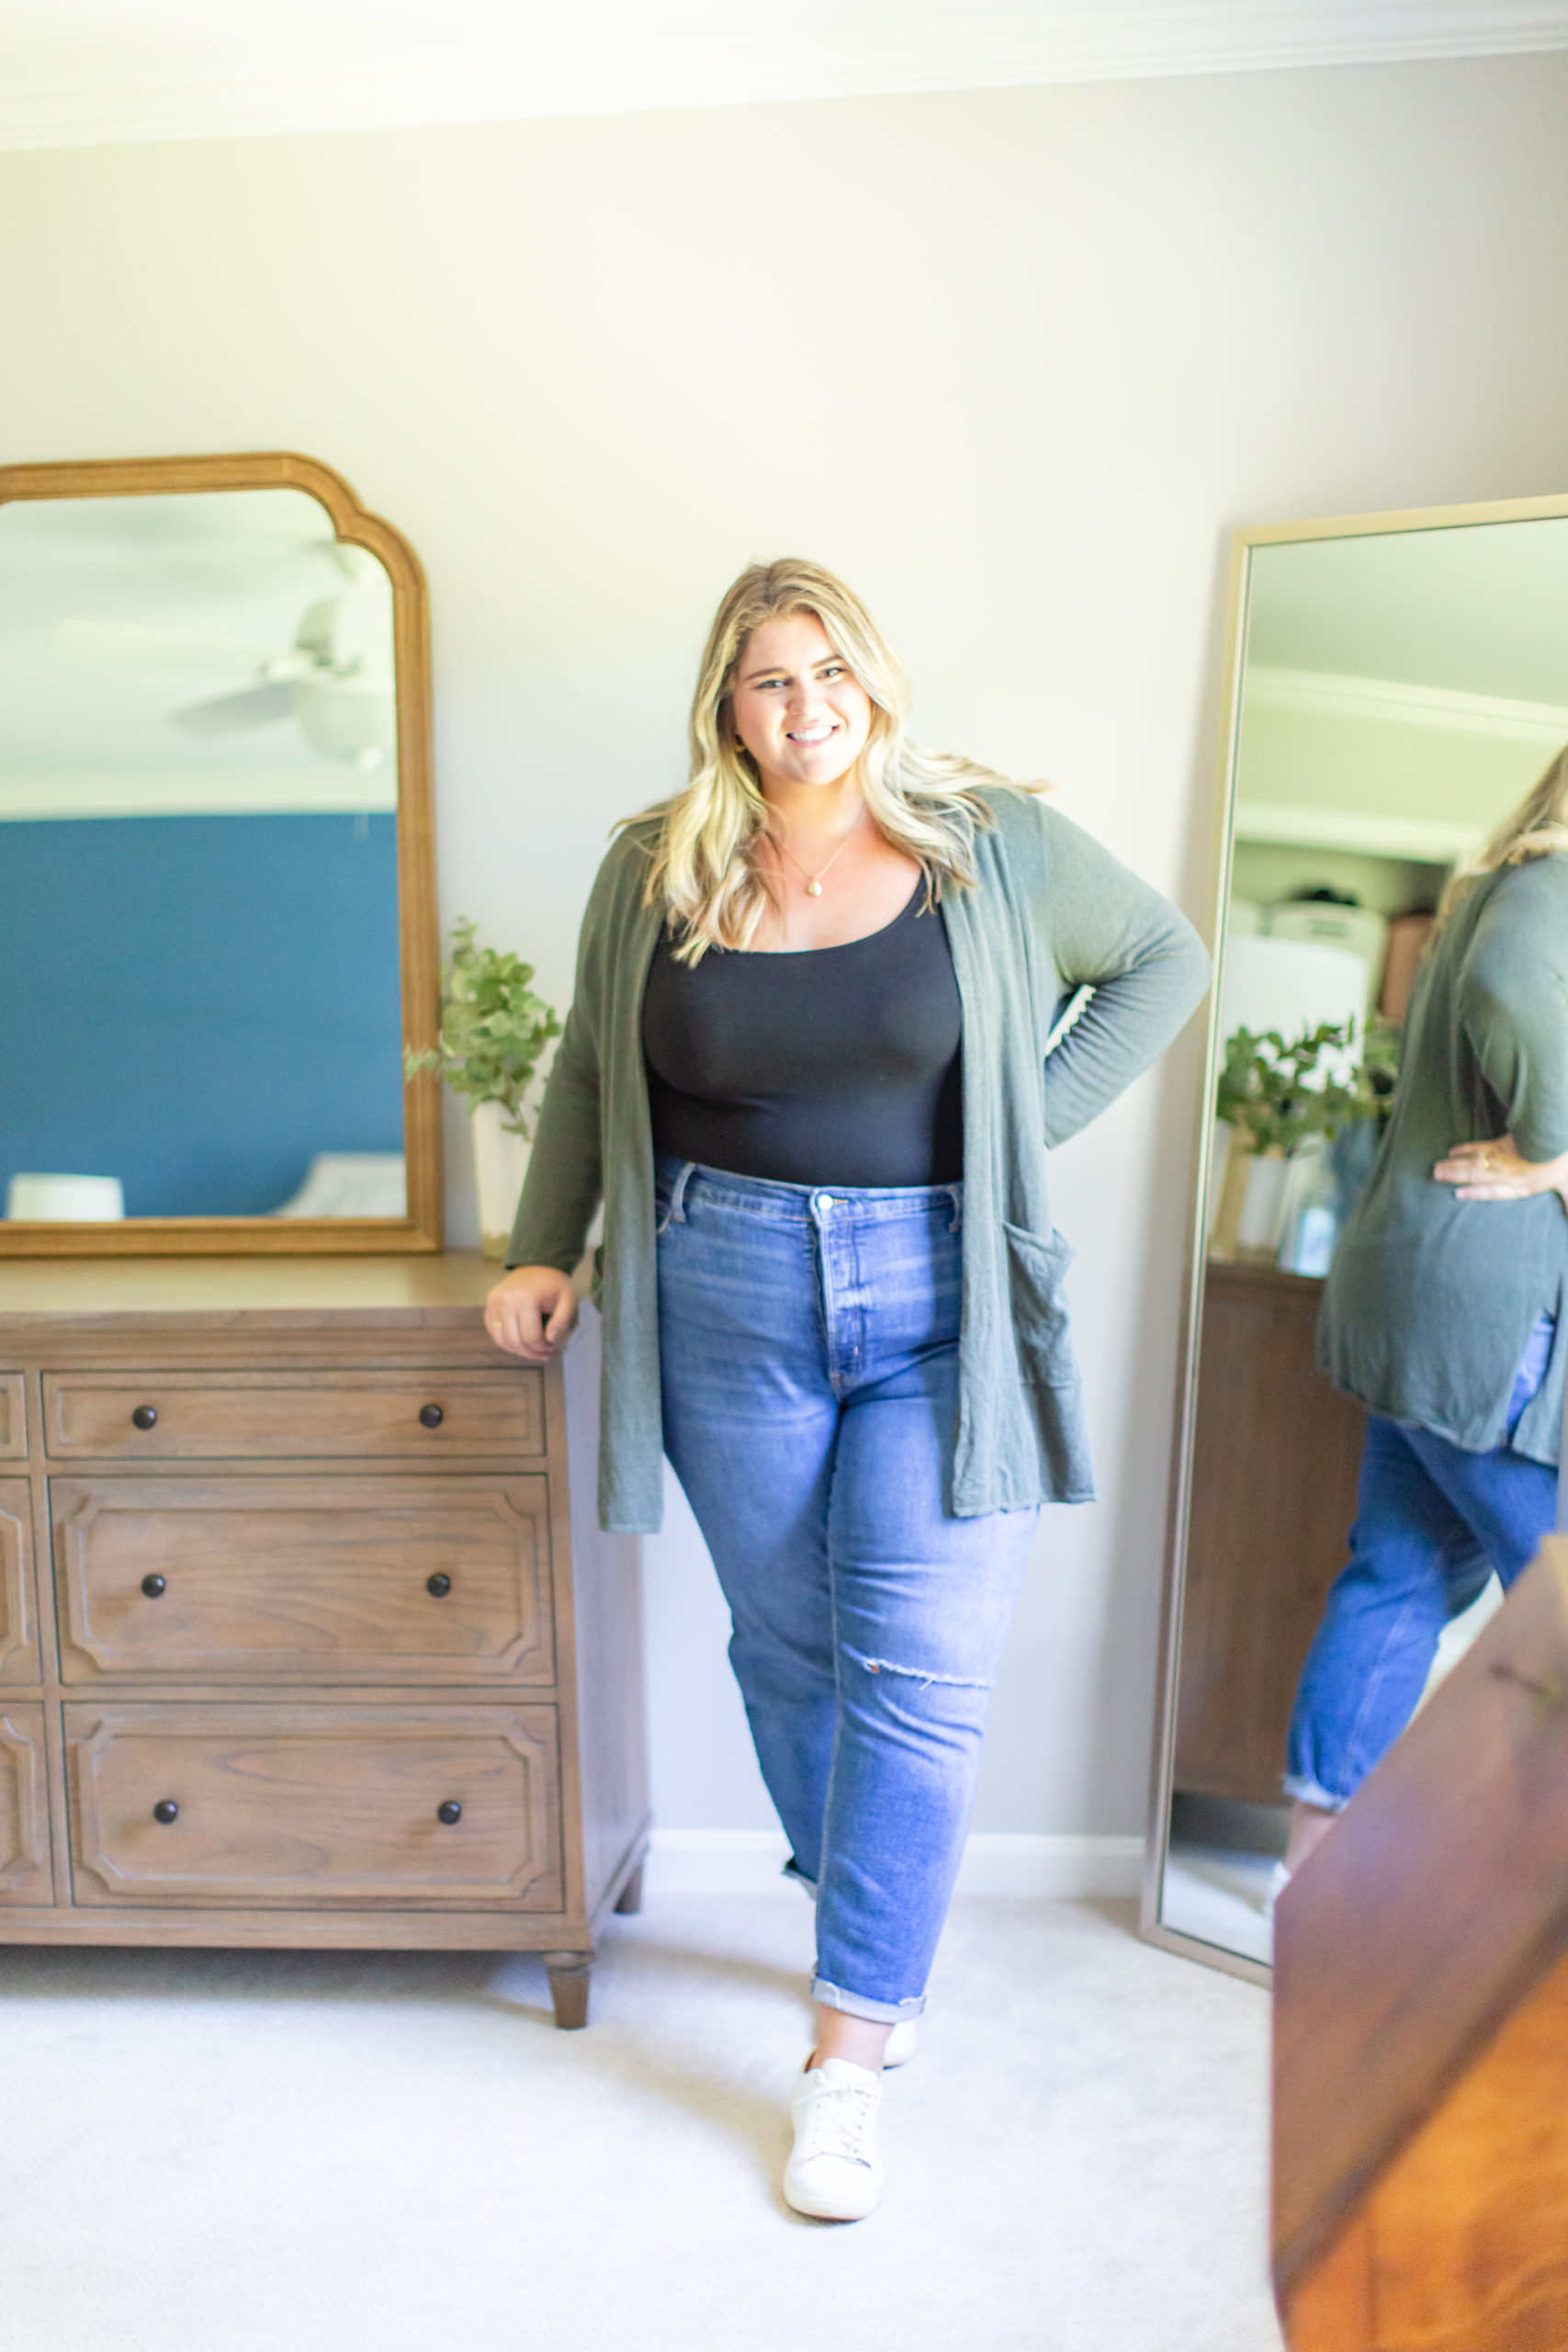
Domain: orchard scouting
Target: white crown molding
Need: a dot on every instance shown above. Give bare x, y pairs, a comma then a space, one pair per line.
502, 61
1428, 841
1336, 695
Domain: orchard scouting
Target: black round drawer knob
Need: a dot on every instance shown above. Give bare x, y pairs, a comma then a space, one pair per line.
450, 1811
154, 1585
166, 1810
145, 1417
431, 1417
440, 1584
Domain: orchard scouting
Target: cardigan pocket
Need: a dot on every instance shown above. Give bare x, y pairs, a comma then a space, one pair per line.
1037, 1265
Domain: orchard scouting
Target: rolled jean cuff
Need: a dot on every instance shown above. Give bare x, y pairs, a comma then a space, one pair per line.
855, 2005
1301, 1792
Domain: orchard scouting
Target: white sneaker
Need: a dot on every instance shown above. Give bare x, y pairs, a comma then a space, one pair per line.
834, 2172
902, 2042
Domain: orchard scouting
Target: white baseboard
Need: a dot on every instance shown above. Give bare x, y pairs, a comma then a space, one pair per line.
996, 1862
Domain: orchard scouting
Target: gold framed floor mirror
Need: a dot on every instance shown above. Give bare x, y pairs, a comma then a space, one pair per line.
218, 926
1393, 685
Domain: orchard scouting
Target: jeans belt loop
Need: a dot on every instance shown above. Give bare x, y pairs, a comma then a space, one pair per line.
677, 1210
955, 1193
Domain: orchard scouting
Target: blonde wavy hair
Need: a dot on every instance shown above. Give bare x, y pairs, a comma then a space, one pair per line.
1536, 828
706, 865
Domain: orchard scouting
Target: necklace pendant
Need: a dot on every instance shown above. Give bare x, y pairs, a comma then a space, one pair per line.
814, 889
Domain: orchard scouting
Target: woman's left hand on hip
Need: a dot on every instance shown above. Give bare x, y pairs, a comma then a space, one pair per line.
1495, 1171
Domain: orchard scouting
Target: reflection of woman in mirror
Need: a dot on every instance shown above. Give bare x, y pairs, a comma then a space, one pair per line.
1442, 1306
805, 1071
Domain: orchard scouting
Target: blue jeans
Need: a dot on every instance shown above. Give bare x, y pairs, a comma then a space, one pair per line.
808, 1352
1432, 1521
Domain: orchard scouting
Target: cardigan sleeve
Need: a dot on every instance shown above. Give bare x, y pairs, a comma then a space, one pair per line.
560, 1192
565, 1180
1142, 961
1512, 1003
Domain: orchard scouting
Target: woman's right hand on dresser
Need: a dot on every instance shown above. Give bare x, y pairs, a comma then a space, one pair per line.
531, 1312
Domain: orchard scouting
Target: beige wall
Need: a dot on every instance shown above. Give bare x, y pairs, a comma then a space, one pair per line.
1015, 362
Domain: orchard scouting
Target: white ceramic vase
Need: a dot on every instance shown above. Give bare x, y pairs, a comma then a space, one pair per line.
1263, 1209
500, 1162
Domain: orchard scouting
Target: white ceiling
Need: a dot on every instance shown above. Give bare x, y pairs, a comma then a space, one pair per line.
84, 73
118, 613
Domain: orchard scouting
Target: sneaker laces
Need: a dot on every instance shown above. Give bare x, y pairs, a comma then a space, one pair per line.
838, 2120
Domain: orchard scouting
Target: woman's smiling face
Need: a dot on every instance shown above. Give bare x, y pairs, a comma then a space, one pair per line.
798, 706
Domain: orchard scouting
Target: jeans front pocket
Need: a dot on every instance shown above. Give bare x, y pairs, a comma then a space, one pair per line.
1037, 1266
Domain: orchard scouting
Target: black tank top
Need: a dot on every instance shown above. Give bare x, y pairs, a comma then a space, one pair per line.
829, 1065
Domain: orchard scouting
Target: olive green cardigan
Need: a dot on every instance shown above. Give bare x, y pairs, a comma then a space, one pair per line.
1430, 1300
1054, 912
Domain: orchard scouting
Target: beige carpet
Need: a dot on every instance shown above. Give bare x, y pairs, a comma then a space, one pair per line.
216, 2151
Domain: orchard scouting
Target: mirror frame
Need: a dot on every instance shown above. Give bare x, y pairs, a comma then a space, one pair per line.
1243, 542
422, 1227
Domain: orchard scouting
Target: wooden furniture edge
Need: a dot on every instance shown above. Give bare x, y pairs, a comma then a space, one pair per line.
298, 1930
1529, 1711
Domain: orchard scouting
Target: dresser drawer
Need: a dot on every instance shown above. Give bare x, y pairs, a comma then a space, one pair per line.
13, 1419
249, 1805
303, 1579
165, 1417
18, 1603
24, 1872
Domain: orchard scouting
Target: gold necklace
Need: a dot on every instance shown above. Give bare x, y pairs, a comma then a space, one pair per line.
813, 881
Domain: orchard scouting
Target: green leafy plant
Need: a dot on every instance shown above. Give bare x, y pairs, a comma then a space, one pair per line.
493, 1028
1264, 1093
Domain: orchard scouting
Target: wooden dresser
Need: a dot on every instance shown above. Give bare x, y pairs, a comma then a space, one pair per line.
307, 1631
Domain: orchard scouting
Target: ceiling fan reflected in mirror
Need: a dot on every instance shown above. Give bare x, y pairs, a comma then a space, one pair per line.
333, 680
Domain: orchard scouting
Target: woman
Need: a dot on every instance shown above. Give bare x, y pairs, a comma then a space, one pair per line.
1443, 1311
806, 1071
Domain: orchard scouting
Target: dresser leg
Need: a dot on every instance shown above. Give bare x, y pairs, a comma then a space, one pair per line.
630, 1896
568, 1973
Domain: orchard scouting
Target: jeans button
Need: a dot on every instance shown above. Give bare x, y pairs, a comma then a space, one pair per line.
824, 1202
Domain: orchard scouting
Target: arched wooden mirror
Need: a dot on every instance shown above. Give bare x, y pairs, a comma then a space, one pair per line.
216, 884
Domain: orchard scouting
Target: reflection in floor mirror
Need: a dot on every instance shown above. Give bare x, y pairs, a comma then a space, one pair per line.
1398, 685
